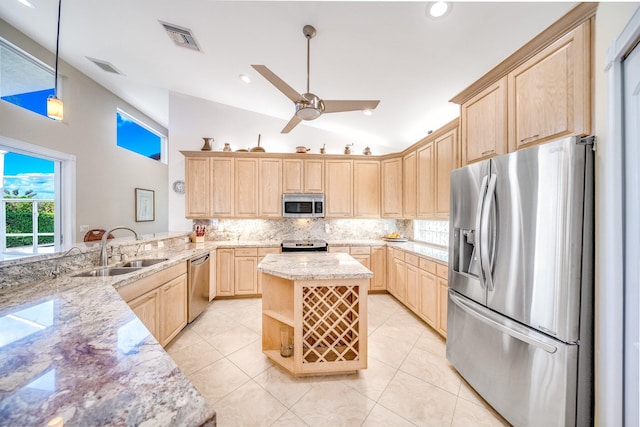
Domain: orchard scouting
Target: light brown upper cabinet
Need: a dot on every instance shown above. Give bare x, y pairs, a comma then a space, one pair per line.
366, 188
392, 188
409, 185
270, 188
303, 176
483, 124
246, 191
313, 176
292, 176
446, 157
197, 187
425, 185
549, 95
339, 188
222, 188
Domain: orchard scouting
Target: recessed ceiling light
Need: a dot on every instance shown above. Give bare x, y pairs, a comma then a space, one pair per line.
438, 9
245, 78
367, 112
26, 3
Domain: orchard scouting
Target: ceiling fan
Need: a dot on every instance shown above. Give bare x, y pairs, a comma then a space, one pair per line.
308, 105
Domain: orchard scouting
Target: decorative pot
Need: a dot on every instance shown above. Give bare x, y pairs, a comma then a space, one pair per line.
227, 147
207, 144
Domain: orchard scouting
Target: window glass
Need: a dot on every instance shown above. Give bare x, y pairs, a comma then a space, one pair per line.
24, 81
432, 232
138, 138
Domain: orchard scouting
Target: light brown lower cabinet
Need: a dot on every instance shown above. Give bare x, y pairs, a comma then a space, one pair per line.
413, 294
378, 265
443, 290
160, 301
236, 270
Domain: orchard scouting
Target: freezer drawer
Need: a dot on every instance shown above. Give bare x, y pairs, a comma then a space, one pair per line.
529, 378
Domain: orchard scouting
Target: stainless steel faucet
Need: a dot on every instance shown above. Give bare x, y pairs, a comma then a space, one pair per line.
103, 249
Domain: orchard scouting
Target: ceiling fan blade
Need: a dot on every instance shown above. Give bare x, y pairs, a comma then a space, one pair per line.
292, 123
333, 106
289, 92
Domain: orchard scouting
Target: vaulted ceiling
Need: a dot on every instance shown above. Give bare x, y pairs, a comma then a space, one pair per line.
386, 50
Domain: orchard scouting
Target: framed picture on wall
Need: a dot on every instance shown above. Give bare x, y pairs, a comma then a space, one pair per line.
145, 205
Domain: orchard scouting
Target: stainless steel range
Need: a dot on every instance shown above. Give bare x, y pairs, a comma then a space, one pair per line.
304, 246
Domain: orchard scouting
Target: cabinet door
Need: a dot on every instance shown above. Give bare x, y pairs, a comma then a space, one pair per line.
412, 295
391, 272
364, 260
246, 275
197, 187
222, 188
549, 95
443, 288
428, 288
366, 188
225, 272
146, 307
409, 185
246, 185
379, 268
392, 188
270, 188
313, 174
426, 188
483, 124
446, 152
339, 188
173, 308
400, 270
292, 176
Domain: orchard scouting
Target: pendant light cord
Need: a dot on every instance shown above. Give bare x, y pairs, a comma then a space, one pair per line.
57, 47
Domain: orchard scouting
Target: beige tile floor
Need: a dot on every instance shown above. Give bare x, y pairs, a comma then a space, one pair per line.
409, 382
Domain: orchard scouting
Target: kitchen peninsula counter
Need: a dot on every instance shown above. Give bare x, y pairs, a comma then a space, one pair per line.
320, 299
71, 347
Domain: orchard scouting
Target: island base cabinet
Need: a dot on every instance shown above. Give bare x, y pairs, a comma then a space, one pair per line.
328, 321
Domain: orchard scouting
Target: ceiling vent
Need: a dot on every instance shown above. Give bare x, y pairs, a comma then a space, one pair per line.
105, 66
181, 36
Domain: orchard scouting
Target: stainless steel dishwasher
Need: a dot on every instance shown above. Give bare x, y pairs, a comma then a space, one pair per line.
198, 285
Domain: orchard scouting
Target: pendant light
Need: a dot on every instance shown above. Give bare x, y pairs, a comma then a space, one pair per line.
55, 109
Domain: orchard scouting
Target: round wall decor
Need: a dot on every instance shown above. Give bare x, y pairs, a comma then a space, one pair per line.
178, 187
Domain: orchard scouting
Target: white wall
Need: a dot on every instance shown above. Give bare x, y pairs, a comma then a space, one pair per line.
610, 20
106, 175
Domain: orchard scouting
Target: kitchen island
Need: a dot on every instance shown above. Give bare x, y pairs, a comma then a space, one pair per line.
320, 300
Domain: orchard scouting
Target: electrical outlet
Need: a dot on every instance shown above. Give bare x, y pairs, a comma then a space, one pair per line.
84, 228
160, 244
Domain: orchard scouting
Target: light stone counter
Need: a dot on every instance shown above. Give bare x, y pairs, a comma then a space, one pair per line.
71, 347
314, 266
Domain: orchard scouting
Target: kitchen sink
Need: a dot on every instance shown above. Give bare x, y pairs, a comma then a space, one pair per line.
107, 271
144, 262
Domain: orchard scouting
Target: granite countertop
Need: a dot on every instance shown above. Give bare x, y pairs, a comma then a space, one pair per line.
71, 347
314, 266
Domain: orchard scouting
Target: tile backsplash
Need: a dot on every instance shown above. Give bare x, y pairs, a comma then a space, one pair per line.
300, 229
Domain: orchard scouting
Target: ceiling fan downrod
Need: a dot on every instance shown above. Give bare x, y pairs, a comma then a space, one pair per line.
309, 32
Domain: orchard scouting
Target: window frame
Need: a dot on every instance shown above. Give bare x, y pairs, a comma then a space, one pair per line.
162, 135
4, 43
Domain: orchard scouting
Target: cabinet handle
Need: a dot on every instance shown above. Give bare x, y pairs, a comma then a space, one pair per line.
484, 153
529, 138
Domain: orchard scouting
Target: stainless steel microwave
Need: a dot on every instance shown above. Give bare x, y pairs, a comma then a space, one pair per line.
303, 205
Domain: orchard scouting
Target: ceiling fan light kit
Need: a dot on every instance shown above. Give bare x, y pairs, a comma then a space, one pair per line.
308, 105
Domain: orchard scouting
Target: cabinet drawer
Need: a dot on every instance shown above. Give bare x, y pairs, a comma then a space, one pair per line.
360, 250
411, 259
427, 265
442, 271
397, 253
246, 252
339, 249
265, 251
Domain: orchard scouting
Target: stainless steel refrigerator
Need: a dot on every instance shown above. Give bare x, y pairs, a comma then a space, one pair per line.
520, 307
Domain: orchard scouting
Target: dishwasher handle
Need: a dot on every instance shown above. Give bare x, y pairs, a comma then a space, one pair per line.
201, 260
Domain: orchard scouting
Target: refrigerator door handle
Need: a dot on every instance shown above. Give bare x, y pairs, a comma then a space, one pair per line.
481, 196
511, 331
486, 255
